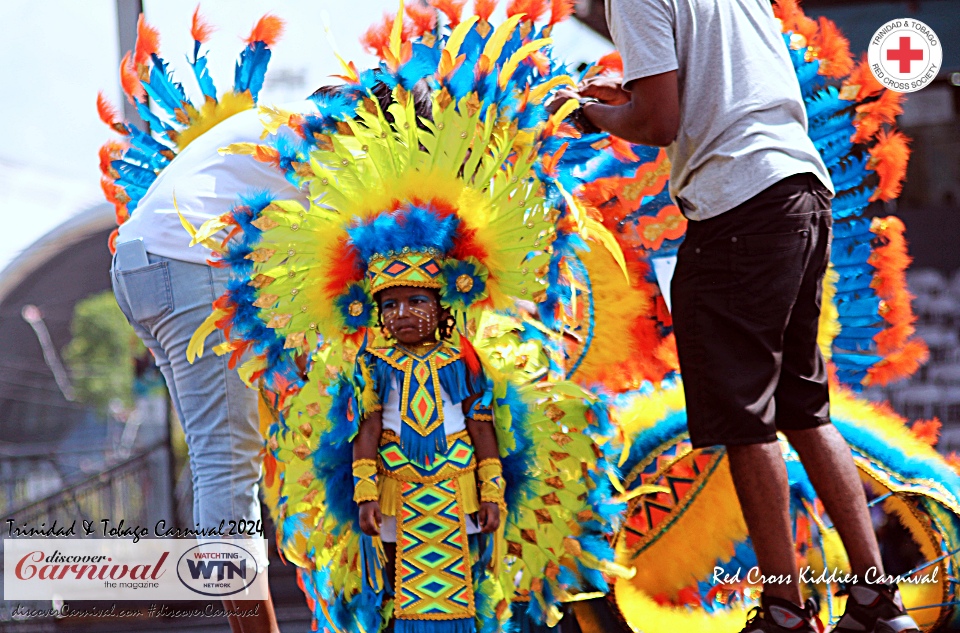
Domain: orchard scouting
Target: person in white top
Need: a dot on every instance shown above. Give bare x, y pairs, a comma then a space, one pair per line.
168, 293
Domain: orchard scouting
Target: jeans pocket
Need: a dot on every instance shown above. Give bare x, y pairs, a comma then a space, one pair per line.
148, 291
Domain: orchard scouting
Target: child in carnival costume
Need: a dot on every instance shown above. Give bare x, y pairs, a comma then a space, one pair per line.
425, 439
460, 208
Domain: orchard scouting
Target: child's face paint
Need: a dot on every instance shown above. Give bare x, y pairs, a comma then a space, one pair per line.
410, 314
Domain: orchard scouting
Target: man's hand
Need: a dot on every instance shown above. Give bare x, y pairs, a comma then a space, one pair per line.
604, 89
489, 517
560, 98
370, 518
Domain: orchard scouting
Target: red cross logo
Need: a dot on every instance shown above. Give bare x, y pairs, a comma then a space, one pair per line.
905, 55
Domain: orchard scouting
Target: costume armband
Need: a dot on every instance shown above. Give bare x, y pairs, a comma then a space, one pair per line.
480, 410
490, 474
365, 480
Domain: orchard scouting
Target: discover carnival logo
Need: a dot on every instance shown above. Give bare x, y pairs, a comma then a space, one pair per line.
905, 55
124, 569
217, 569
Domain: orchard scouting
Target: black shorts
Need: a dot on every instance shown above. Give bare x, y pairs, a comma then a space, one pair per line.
746, 310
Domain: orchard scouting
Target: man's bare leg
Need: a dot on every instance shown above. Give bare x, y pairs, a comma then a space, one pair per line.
826, 457
760, 478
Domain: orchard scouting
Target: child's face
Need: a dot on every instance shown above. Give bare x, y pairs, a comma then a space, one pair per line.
410, 314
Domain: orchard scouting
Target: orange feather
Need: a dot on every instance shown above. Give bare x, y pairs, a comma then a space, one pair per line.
268, 30
834, 50
109, 115
484, 9
871, 116
377, 38
200, 29
453, 9
130, 81
927, 431
611, 62
793, 20
787, 11
148, 42
902, 355
889, 159
560, 10
424, 18
109, 152
533, 9
112, 241
863, 77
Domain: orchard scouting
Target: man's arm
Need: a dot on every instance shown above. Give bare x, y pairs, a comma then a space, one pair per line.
651, 115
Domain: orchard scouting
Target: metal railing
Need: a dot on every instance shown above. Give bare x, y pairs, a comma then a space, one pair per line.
136, 490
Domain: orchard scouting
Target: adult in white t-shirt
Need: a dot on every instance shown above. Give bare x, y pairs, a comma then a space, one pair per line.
712, 81
167, 299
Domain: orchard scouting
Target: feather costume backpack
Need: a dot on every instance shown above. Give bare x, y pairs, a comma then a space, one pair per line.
130, 166
466, 200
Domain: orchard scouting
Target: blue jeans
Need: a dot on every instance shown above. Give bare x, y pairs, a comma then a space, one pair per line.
165, 302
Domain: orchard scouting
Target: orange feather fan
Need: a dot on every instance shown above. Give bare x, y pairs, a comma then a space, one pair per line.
833, 49
628, 347
148, 42
268, 30
903, 355
533, 10
889, 159
484, 8
453, 9
130, 81
200, 29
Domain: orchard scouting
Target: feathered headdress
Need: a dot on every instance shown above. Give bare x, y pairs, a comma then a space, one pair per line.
130, 167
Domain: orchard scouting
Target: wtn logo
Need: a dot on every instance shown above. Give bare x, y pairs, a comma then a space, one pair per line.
223, 568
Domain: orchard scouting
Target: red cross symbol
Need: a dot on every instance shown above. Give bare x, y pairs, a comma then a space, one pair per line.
905, 55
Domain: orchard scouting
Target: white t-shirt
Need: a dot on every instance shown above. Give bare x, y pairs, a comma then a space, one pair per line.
743, 125
207, 185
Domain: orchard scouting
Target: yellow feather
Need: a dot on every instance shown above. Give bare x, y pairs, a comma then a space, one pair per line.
496, 42
212, 113
598, 232
212, 244
455, 41
564, 111
396, 32
195, 347
538, 93
829, 315
508, 69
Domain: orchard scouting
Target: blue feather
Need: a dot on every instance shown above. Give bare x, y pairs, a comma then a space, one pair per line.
251, 69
